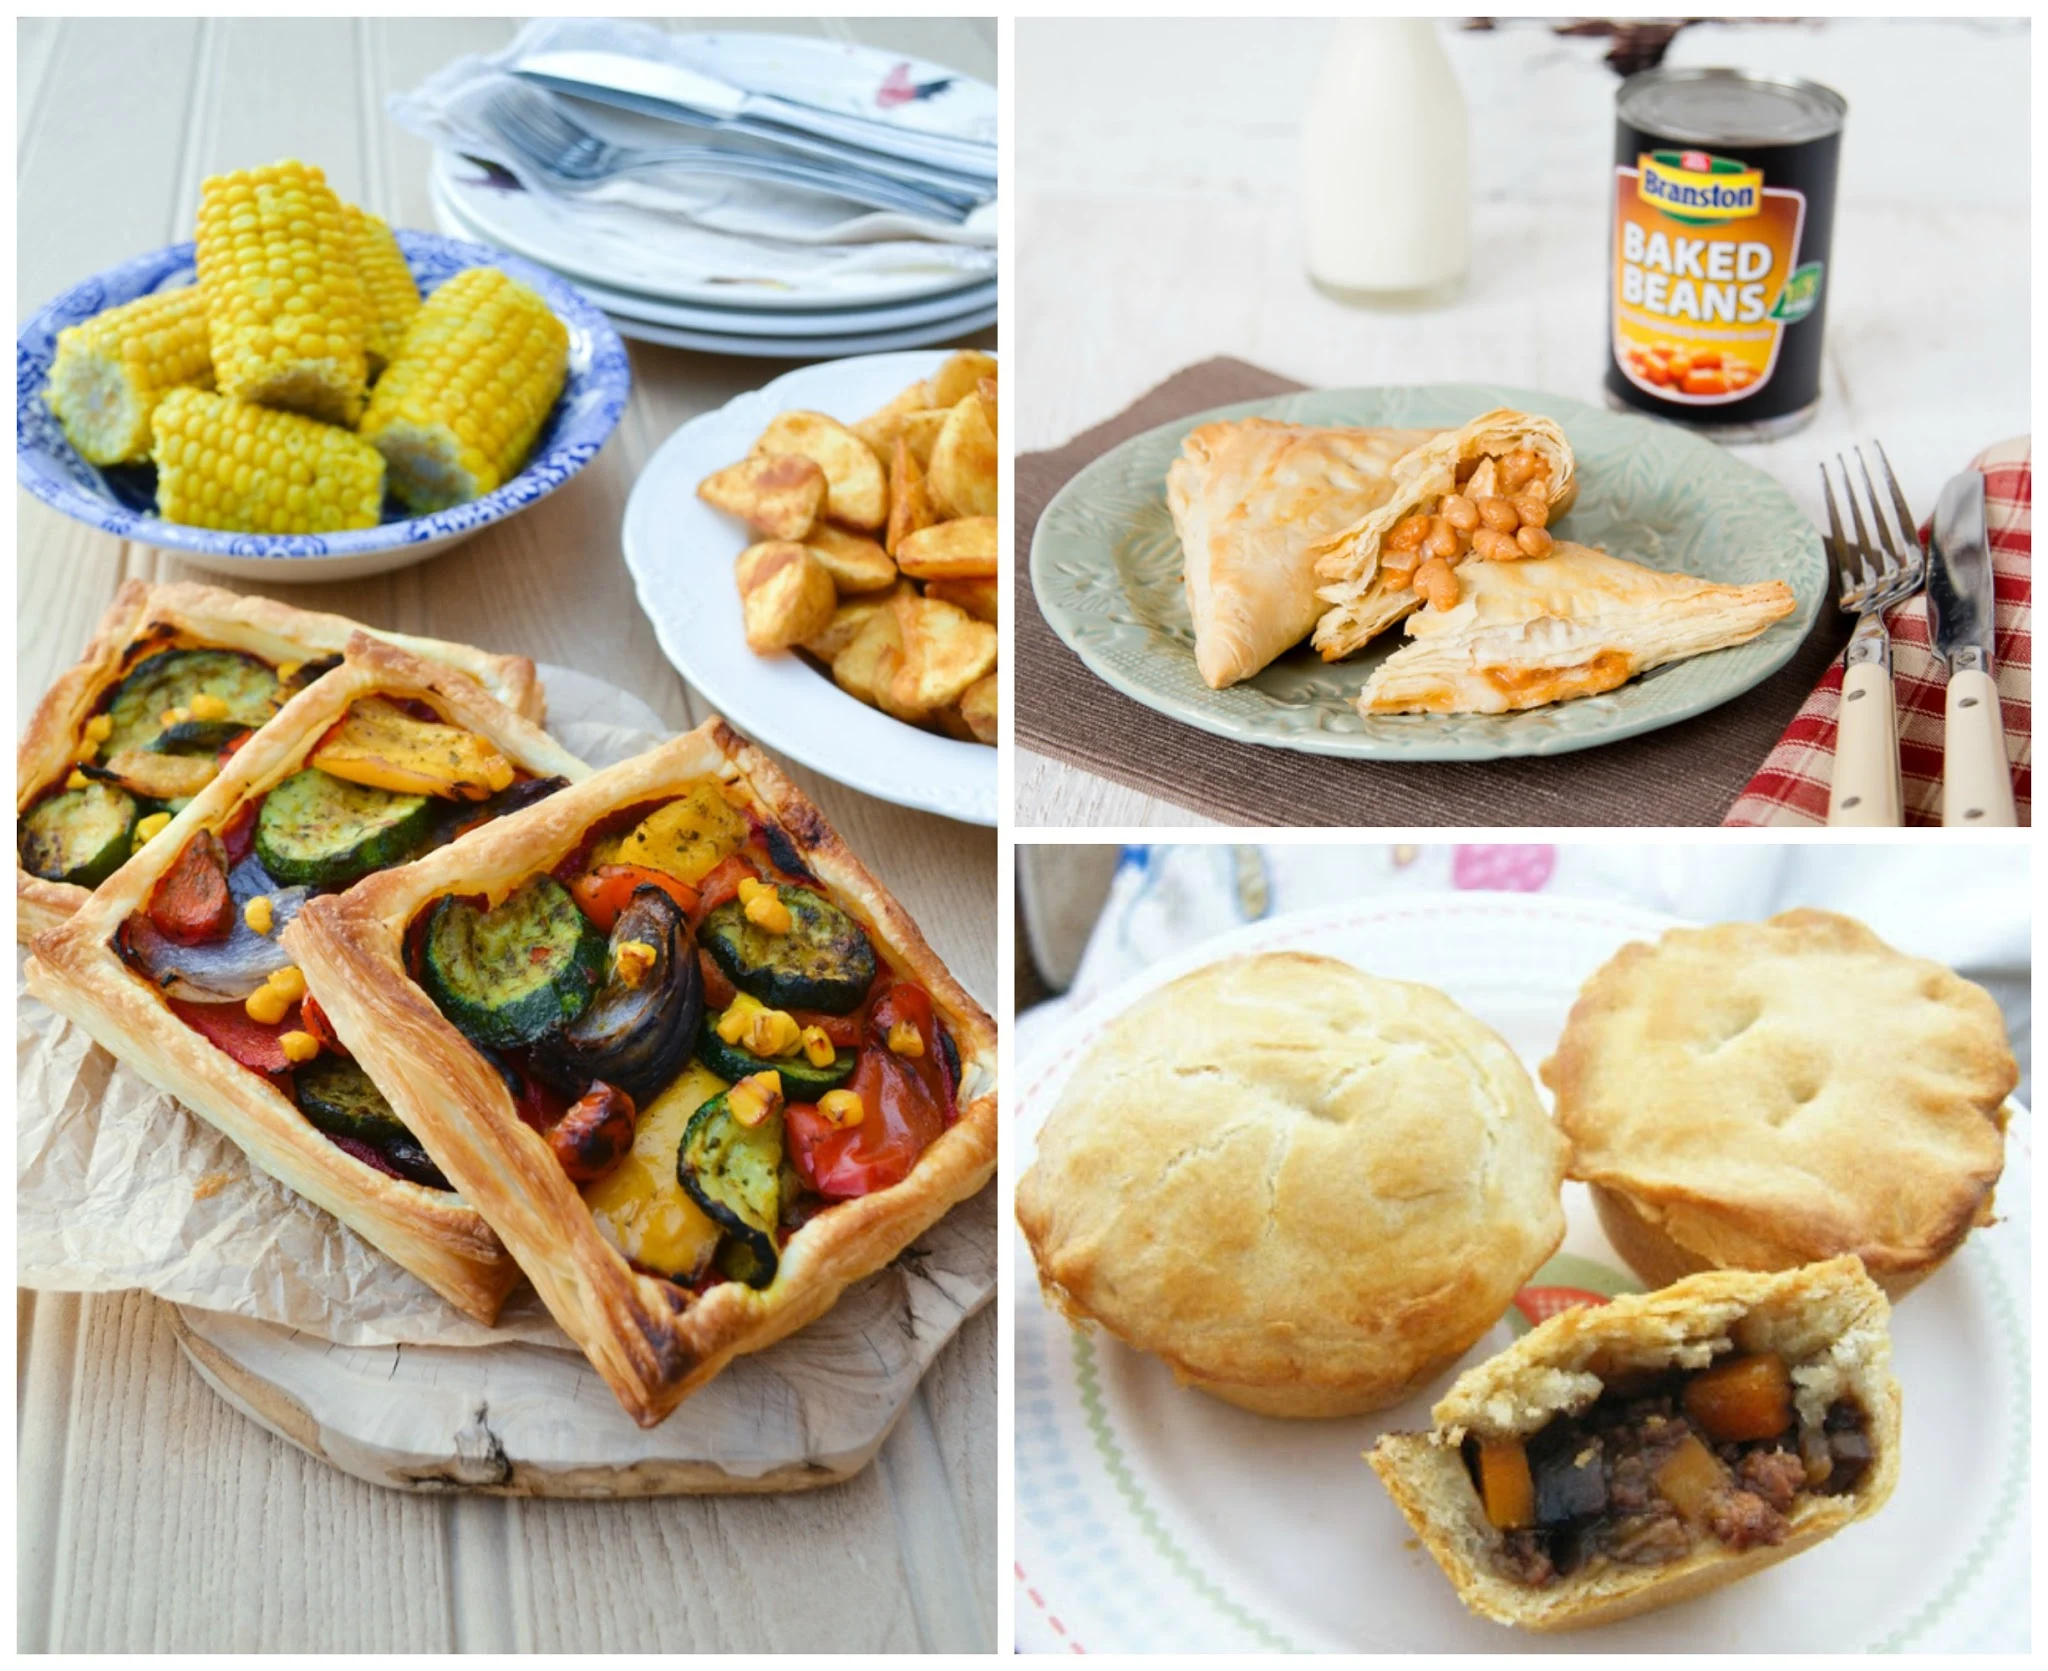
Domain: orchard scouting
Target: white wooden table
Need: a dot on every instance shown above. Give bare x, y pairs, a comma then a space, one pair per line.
1156, 226
149, 1515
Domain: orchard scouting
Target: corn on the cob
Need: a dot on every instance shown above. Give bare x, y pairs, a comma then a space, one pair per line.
221, 463
457, 411
111, 371
284, 300
387, 284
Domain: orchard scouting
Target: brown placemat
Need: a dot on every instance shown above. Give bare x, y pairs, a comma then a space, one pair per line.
1689, 773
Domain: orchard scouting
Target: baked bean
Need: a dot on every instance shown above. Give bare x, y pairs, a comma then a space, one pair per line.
1460, 512
1498, 515
1679, 366
1399, 566
1407, 534
1496, 547
1443, 539
1535, 542
1435, 581
1740, 376
1706, 359
1706, 383
1533, 509
1517, 468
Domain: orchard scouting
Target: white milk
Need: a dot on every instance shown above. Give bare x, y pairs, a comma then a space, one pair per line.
1385, 203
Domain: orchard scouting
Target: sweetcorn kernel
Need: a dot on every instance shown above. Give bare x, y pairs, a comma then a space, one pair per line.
205, 706
288, 981
763, 907
257, 914
755, 1097
818, 1049
148, 829
632, 961
77, 780
842, 1108
299, 1047
905, 1039
268, 1005
739, 1014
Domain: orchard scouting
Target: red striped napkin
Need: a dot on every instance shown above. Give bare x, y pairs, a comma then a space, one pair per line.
1792, 788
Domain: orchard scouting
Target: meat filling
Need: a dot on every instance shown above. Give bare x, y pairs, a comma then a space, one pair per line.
1659, 1462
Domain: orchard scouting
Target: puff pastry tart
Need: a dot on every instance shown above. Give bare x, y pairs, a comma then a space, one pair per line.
1765, 1094
174, 674
1487, 490
175, 963
692, 1062
1548, 629
1621, 1457
1251, 499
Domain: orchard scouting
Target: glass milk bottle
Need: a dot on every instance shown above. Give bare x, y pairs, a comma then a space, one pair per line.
1385, 202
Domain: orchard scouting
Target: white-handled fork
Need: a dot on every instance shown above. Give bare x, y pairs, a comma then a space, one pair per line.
1870, 579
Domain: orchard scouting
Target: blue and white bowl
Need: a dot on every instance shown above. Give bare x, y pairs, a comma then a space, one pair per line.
122, 500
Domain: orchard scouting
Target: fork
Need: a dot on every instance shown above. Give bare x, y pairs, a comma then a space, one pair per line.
1887, 570
574, 159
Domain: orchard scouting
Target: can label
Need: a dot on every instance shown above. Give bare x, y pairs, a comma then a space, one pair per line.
1705, 276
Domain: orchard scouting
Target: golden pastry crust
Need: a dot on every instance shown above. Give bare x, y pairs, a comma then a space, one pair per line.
651, 1342
1362, 601
78, 972
1550, 629
184, 612
1761, 1095
1251, 499
1829, 1321
1304, 1188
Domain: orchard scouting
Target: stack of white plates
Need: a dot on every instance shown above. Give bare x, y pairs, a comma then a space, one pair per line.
653, 295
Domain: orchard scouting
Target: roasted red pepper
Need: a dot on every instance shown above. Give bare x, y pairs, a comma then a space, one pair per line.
721, 883
256, 1045
191, 903
316, 1023
238, 834
601, 894
904, 1107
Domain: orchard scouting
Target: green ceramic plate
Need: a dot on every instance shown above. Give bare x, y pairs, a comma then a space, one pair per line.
1106, 567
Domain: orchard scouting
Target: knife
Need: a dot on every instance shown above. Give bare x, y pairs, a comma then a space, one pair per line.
1976, 776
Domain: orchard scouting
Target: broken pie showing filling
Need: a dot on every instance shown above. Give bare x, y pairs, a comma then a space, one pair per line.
1573, 623
1486, 491
1625, 1456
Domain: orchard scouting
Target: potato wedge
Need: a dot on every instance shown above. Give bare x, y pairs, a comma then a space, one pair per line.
848, 619
978, 597
868, 664
921, 430
944, 650
910, 506
963, 549
913, 398
785, 595
777, 496
856, 491
855, 562
954, 381
978, 706
987, 393
962, 473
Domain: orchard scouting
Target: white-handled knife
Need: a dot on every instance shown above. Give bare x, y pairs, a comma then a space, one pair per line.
1976, 786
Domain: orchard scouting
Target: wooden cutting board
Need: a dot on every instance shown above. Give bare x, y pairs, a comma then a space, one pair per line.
528, 1421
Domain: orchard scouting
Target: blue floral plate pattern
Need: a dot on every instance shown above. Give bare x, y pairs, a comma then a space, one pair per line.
121, 500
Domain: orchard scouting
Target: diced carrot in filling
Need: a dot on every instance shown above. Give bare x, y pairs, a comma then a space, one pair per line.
1742, 1398
1506, 1486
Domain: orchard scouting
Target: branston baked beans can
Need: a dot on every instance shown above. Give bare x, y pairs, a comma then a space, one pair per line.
1724, 197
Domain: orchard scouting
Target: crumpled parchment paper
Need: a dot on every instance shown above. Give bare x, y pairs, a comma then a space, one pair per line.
118, 1185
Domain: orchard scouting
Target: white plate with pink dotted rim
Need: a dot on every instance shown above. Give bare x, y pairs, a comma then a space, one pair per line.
1152, 1519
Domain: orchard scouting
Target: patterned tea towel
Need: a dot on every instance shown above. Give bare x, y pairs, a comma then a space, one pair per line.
1792, 788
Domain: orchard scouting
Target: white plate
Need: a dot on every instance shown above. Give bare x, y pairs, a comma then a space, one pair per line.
1154, 1519
680, 552
804, 348
516, 221
739, 318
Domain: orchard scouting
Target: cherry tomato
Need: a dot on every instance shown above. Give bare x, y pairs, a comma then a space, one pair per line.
903, 1108
319, 1026
722, 882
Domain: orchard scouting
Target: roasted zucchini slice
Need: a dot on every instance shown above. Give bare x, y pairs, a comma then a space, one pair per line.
170, 679
316, 829
81, 836
825, 961
734, 1173
509, 975
802, 1081
338, 1097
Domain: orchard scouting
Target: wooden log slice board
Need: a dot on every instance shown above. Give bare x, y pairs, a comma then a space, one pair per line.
521, 1420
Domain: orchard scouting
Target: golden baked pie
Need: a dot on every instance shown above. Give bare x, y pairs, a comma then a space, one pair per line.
1548, 629
1762, 1095
1251, 499
689, 1059
1304, 1188
218, 665
1621, 1457
1485, 491
176, 962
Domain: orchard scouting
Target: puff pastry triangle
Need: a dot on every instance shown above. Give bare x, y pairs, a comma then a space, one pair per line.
1251, 500
1574, 623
